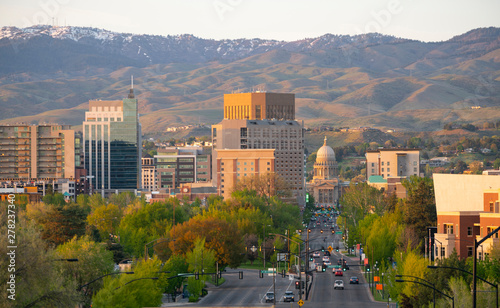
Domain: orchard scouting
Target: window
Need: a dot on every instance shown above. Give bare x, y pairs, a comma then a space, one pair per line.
443, 250
373, 164
388, 163
469, 231
382, 163
373, 170
414, 163
382, 169
415, 169
492, 209
448, 228
469, 251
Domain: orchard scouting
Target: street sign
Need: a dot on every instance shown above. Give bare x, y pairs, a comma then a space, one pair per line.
300, 302
338, 232
290, 277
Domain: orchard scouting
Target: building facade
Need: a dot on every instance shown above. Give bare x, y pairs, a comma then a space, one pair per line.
31, 152
285, 137
393, 162
324, 186
467, 209
237, 164
181, 165
112, 145
259, 106
148, 174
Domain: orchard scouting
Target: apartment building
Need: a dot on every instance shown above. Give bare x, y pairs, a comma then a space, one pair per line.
31, 152
393, 162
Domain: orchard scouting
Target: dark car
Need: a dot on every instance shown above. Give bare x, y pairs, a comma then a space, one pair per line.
354, 280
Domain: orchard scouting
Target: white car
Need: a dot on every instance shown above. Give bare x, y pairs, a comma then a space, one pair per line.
316, 254
339, 284
326, 259
288, 297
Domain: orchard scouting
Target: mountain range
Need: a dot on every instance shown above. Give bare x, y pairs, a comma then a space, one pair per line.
49, 73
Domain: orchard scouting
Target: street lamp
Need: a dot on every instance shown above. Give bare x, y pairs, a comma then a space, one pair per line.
426, 285
430, 283
459, 269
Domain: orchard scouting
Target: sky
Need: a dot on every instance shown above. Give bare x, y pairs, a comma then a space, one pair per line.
288, 20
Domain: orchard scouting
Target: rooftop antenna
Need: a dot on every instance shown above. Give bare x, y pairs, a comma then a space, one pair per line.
131, 94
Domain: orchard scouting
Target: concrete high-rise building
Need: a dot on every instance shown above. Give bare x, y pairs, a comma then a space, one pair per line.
264, 121
112, 145
148, 173
33, 152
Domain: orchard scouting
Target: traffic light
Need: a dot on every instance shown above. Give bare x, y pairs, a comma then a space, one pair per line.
323, 268
368, 267
283, 273
337, 248
297, 284
261, 274
241, 275
309, 230
333, 231
321, 230
302, 284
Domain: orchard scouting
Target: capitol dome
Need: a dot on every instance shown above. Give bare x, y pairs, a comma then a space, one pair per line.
325, 154
325, 167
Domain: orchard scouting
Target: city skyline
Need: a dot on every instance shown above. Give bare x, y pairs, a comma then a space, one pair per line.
280, 20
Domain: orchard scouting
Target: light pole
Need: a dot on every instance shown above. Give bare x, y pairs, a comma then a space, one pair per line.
426, 285
430, 283
459, 269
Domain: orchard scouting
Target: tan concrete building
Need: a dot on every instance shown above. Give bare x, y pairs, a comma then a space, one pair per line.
262, 120
393, 163
259, 106
285, 137
233, 165
467, 208
30, 152
324, 186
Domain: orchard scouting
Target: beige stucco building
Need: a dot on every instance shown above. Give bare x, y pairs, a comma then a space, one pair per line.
467, 207
393, 162
31, 152
324, 186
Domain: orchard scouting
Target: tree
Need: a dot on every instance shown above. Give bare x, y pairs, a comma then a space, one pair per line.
59, 223
175, 265
420, 205
136, 290
37, 273
106, 219
220, 235
267, 184
93, 261
201, 260
476, 167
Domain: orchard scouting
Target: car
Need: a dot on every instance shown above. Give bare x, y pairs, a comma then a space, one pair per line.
339, 273
327, 253
316, 254
326, 259
354, 280
288, 297
327, 263
339, 284
269, 297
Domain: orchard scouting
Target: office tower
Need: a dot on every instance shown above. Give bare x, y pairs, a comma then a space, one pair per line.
179, 165
37, 152
264, 121
112, 145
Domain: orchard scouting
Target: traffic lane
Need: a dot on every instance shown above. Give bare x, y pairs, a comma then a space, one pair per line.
249, 291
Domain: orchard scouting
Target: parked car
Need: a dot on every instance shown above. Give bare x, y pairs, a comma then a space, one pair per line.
354, 280
269, 297
288, 297
339, 284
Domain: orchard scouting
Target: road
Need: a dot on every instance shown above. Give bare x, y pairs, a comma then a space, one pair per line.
250, 291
